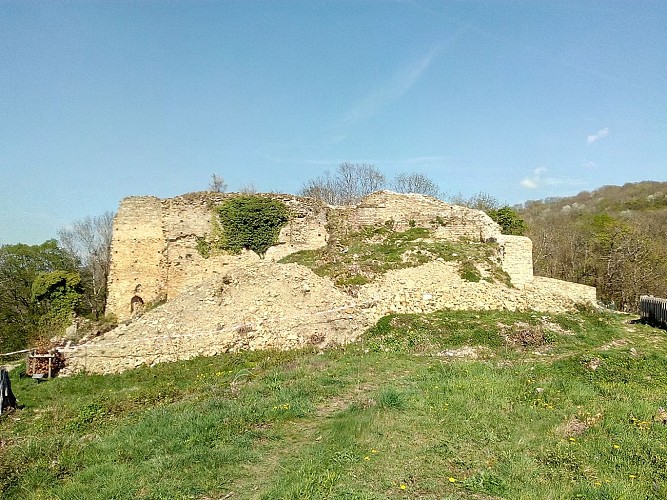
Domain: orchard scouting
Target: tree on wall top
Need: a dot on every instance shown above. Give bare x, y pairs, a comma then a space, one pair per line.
251, 222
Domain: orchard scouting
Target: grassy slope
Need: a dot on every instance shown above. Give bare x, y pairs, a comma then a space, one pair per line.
388, 417
359, 257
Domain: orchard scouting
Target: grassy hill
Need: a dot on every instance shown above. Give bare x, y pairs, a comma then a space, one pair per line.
445, 405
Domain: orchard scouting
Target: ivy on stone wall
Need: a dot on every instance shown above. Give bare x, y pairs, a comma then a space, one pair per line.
251, 222
58, 294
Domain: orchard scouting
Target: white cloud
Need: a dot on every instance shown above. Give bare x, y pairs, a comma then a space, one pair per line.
391, 90
539, 179
589, 164
600, 134
535, 180
529, 183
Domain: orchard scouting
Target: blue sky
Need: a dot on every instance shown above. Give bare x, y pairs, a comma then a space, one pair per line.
519, 99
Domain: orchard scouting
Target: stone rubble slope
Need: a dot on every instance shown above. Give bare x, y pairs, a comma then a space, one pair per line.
260, 306
284, 306
437, 285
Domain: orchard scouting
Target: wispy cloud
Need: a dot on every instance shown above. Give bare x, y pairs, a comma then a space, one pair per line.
402, 81
540, 179
589, 164
410, 163
535, 180
600, 134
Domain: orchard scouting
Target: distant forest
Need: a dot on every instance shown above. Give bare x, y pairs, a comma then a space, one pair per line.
613, 238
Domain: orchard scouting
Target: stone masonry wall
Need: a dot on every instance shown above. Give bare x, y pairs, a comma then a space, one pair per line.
155, 244
137, 254
237, 311
155, 241
448, 221
223, 303
516, 255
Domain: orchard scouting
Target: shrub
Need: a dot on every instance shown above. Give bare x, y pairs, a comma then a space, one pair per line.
251, 222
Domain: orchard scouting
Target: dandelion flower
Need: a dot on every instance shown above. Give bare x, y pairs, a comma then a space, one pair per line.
616, 447
374, 450
452, 479
403, 486
367, 457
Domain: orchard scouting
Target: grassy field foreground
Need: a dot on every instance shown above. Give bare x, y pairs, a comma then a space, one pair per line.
447, 405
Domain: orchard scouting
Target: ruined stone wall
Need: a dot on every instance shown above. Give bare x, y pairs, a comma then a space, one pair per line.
448, 221
516, 256
155, 244
437, 285
238, 311
137, 254
155, 241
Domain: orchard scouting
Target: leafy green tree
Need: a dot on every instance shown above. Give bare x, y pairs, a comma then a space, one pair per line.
20, 264
623, 256
509, 220
57, 294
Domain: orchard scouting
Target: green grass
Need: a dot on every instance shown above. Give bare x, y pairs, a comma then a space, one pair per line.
539, 406
359, 257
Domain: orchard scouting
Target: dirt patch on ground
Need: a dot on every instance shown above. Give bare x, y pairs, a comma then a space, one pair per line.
466, 352
358, 395
614, 343
523, 334
577, 425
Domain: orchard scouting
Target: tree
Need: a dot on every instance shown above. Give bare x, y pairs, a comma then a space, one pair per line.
88, 244
478, 201
350, 183
415, 183
20, 264
622, 257
57, 293
217, 184
509, 221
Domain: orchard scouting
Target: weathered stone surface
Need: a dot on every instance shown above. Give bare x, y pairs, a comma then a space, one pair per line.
232, 302
251, 306
154, 244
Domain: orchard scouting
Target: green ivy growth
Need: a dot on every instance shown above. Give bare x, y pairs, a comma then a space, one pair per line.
251, 222
469, 272
203, 247
58, 293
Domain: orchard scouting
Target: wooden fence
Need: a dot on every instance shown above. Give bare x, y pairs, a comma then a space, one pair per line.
653, 310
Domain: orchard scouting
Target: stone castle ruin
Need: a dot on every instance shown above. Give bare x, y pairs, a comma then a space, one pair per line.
228, 302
